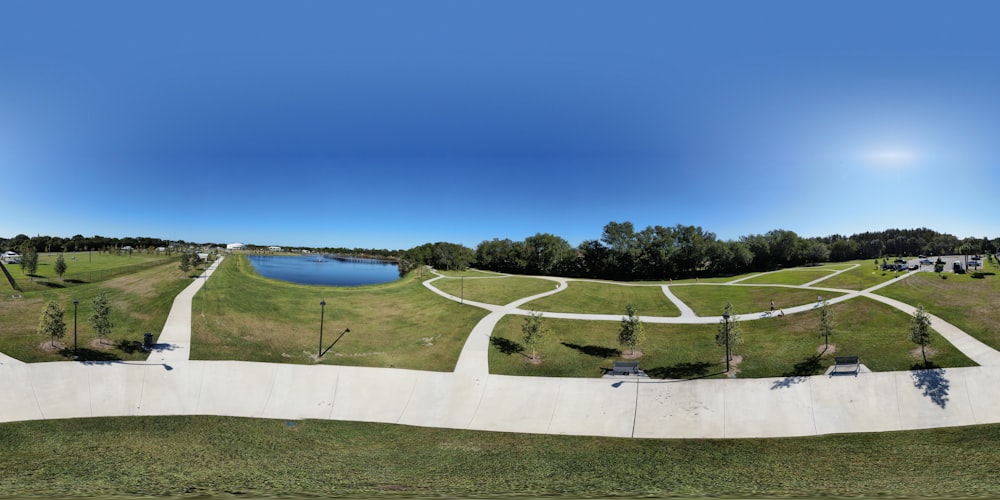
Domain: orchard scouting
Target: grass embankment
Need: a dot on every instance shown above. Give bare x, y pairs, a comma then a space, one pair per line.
969, 302
864, 276
495, 289
140, 302
242, 316
594, 297
773, 347
796, 276
210, 456
82, 267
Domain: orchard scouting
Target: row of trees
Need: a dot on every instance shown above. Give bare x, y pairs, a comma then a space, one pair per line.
53, 325
729, 334
658, 252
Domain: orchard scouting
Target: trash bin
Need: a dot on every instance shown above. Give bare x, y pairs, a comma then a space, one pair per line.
147, 341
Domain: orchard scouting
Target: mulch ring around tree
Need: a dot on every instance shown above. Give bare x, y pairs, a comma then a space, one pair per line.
631, 354
734, 365
48, 346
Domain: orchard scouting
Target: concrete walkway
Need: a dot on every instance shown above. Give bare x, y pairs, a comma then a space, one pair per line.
471, 398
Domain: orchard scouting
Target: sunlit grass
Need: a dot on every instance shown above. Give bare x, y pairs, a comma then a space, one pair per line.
495, 289
209, 456
140, 303
606, 298
710, 300
970, 303
773, 347
242, 316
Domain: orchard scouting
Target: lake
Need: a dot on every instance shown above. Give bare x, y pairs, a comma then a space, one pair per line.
319, 270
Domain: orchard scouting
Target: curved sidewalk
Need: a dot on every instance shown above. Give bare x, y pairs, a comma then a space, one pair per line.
471, 398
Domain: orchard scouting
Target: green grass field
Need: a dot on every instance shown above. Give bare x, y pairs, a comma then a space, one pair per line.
971, 303
710, 300
201, 457
596, 297
773, 347
83, 267
494, 289
140, 302
242, 316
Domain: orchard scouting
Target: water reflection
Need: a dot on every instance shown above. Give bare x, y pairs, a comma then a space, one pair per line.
324, 270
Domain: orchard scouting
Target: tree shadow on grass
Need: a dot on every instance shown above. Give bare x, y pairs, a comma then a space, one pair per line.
129, 346
506, 346
930, 378
87, 355
50, 284
595, 350
801, 370
698, 369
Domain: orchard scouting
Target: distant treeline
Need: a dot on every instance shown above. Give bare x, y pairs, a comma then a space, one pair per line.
659, 253
80, 243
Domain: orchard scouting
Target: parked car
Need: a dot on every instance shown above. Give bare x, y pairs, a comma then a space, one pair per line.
957, 267
926, 262
913, 267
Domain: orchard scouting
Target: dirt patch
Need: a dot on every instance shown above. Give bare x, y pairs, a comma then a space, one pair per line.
536, 360
824, 349
632, 354
49, 346
734, 365
915, 353
102, 344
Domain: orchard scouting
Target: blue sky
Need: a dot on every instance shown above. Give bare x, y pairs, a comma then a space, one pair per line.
392, 124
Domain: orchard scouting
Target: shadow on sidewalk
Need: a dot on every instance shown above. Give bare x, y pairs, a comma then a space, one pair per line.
930, 378
805, 368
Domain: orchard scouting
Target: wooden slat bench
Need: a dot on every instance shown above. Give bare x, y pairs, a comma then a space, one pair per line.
846, 364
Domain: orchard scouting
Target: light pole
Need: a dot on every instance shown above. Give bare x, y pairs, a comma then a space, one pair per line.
725, 317
322, 312
463, 289
75, 303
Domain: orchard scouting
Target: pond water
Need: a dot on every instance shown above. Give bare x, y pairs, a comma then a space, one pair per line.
319, 270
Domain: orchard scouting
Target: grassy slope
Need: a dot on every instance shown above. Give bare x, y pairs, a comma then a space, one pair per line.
774, 347
710, 300
494, 289
972, 304
140, 303
242, 316
231, 456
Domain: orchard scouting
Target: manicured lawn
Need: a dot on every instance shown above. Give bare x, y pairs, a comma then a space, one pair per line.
972, 304
140, 303
861, 277
797, 276
606, 298
242, 316
83, 267
494, 289
230, 457
774, 347
710, 300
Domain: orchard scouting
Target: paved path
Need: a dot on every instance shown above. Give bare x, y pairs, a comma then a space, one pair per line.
174, 342
470, 398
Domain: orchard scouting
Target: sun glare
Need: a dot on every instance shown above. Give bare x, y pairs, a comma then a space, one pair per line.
891, 158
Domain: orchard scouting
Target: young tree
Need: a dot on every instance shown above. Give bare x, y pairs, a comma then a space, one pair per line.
826, 323
100, 316
729, 333
631, 333
920, 330
533, 330
51, 322
185, 262
29, 260
60, 267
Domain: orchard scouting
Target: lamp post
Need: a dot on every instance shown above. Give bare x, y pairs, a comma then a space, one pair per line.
463, 289
725, 317
75, 303
322, 312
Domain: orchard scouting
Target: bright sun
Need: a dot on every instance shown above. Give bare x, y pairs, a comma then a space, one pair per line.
891, 158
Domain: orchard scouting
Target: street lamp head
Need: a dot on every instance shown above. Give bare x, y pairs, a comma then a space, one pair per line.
347, 330
725, 316
75, 302
322, 302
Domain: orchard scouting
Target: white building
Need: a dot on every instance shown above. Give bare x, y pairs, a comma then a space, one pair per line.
236, 246
274, 248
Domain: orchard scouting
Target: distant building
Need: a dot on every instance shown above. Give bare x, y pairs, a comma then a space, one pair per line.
236, 246
274, 249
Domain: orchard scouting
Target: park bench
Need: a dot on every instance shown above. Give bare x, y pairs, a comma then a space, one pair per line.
850, 364
625, 368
